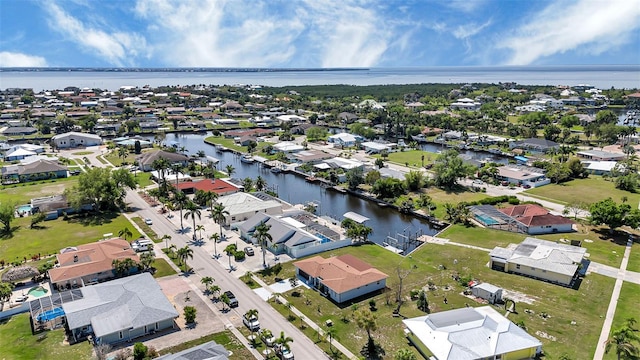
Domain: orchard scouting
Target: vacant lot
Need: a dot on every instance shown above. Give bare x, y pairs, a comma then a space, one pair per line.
53, 235
634, 258
437, 264
23, 193
414, 158
16, 342
627, 308
589, 190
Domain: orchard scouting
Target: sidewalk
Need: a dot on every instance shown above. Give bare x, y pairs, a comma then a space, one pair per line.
310, 323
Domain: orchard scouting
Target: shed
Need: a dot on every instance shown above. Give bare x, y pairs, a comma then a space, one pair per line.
491, 293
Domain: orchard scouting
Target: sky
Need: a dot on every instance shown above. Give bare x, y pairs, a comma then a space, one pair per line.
317, 33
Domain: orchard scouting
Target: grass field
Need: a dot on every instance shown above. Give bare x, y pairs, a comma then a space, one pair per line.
17, 343
23, 193
589, 190
634, 259
560, 303
627, 308
411, 157
163, 268
56, 234
144, 179
230, 144
146, 229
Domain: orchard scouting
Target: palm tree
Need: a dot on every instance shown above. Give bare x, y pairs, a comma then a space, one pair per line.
214, 289
199, 228
125, 233
230, 250
185, 253
176, 168
230, 170
211, 201
161, 165
260, 183
192, 211
207, 281
172, 251
166, 239
180, 200
225, 300
122, 153
219, 214
262, 236
147, 259
331, 332
247, 183
622, 341
215, 237
367, 320
405, 354
284, 341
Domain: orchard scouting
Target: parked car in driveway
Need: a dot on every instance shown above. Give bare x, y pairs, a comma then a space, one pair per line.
283, 352
251, 323
267, 337
249, 251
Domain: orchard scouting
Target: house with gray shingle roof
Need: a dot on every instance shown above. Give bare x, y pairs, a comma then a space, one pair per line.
207, 351
120, 310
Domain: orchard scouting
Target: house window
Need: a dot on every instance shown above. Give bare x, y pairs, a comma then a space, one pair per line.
120, 335
518, 266
233, 218
157, 326
533, 269
145, 329
544, 271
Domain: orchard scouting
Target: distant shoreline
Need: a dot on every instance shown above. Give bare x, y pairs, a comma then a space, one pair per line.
134, 70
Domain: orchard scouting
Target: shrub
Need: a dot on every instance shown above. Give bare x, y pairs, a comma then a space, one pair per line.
139, 351
189, 314
239, 255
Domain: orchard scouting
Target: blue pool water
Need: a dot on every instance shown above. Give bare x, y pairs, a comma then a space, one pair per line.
38, 291
486, 220
24, 208
324, 238
50, 314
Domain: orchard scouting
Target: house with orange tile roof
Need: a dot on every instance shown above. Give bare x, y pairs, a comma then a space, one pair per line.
341, 278
218, 186
89, 263
538, 220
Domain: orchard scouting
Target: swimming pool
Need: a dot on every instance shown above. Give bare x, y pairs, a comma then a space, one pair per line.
38, 291
486, 219
24, 208
50, 314
324, 238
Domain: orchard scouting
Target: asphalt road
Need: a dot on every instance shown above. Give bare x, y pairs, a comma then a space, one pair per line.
204, 265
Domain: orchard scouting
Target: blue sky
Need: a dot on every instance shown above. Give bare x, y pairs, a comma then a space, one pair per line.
317, 33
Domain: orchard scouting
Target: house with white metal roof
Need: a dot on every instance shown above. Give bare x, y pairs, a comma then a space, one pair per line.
541, 259
241, 206
75, 139
470, 334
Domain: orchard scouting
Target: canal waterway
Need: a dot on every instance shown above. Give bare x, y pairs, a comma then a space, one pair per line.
295, 190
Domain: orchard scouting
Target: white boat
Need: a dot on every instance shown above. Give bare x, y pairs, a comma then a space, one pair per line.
276, 170
219, 148
247, 159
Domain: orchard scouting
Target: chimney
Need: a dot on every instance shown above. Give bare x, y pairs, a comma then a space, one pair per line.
75, 258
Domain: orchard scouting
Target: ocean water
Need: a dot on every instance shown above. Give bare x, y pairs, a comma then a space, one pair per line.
604, 77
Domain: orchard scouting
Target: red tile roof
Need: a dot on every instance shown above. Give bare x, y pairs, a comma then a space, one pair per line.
534, 215
91, 259
341, 273
525, 210
218, 186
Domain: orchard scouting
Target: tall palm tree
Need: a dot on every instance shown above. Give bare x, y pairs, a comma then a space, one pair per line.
230, 250
622, 341
225, 300
252, 313
366, 320
166, 239
125, 233
262, 236
331, 332
176, 168
199, 228
219, 214
185, 253
180, 200
214, 289
192, 211
212, 197
284, 341
215, 237
161, 165
247, 183
230, 170
122, 153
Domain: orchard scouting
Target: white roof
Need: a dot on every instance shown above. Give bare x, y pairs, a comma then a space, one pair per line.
343, 137
75, 133
240, 203
20, 152
469, 333
356, 217
30, 147
375, 145
600, 165
346, 164
288, 146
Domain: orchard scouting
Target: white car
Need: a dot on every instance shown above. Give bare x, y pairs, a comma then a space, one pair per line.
21, 298
148, 221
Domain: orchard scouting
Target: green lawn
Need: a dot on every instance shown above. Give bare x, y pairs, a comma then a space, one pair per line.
589, 190
146, 229
16, 342
440, 197
80, 153
634, 258
411, 157
230, 144
627, 308
23, 193
144, 179
57, 234
560, 303
225, 338
476, 236
163, 268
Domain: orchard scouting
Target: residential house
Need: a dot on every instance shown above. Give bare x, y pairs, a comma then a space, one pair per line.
17, 130
120, 310
145, 160
535, 219
218, 186
522, 175
341, 278
310, 156
89, 263
36, 170
372, 147
465, 104
541, 259
75, 139
344, 139
486, 291
241, 206
288, 147
470, 334
602, 167
599, 155
207, 351
18, 153
534, 145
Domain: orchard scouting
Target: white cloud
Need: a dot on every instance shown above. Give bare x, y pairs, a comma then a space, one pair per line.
117, 48
469, 30
589, 26
15, 59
